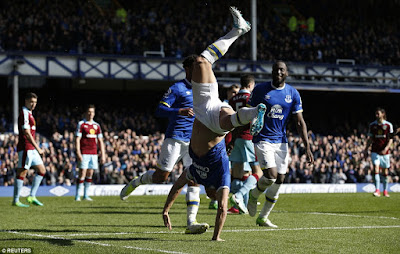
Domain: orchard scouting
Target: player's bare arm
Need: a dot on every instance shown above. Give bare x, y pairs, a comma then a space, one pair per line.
102, 151
78, 148
30, 138
173, 194
302, 130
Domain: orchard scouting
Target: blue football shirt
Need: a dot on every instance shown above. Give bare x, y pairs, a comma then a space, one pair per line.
281, 103
179, 95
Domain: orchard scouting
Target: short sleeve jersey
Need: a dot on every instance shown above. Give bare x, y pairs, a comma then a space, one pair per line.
380, 134
238, 101
26, 121
280, 102
179, 95
89, 133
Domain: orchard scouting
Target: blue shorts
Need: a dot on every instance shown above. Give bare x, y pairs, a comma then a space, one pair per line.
382, 160
89, 161
211, 170
29, 158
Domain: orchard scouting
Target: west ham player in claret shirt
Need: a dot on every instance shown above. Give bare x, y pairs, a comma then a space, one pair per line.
29, 152
380, 136
88, 136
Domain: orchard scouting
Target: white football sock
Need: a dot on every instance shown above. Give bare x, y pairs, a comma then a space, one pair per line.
243, 116
271, 197
217, 49
262, 184
192, 202
146, 178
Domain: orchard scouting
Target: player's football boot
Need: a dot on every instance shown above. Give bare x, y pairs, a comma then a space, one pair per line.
252, 205
33, 200
263, 222
197, 228
386, 194
87, 198
213, 205
233, 210
77, 198
127, 190
258, 123
239, 203
19, 204
377, 193
238, 21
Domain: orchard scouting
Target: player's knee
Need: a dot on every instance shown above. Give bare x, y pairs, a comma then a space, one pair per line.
160, 176
270, 173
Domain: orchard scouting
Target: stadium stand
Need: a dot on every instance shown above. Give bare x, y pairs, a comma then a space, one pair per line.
365, 31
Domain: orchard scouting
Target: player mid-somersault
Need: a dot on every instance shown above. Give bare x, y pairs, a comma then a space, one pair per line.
213, 120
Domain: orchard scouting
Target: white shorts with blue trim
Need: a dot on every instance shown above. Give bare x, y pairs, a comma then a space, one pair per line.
382, 160
29, 158
207, 105
89, 161
273, 155
172, 151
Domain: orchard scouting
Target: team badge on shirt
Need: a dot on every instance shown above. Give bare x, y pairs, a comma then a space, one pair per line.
267, 97
288, 99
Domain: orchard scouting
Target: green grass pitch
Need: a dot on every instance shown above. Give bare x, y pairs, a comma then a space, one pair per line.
308, 223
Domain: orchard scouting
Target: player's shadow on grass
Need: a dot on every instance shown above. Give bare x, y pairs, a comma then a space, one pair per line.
118, 212
58, 242
47, 230
120, 226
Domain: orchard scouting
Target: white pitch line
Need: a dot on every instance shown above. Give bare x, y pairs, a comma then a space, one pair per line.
299, 229
353, 215
91, 242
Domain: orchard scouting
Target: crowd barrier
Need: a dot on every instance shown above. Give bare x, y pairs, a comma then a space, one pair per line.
163, 189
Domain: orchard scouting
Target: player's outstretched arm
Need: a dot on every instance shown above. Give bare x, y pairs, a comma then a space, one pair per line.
173, 194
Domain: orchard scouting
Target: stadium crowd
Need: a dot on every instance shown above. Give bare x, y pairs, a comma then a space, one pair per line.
365, 31
133, 142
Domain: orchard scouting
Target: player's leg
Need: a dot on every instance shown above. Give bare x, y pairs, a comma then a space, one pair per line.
18, 184
217, 49
272, 193
169, 156
87, 183
377, 178
80, 180
385, 165
237, 172
37, 180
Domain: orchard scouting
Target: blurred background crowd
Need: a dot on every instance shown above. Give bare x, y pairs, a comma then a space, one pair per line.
133, 142
300, 31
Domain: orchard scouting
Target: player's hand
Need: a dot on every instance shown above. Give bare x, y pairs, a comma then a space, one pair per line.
79, 157
186, 112
40, 151
102, 160
229, 148
167, 221
310, 157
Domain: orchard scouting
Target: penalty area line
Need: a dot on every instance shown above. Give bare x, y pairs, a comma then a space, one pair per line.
91, 242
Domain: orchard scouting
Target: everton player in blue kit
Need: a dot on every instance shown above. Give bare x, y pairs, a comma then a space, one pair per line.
282, 100
177, 106
214, 119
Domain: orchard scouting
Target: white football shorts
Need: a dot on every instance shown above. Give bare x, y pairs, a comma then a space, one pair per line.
29, 158
89, 161
382, 160
271, 155
172, 151
207, 105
